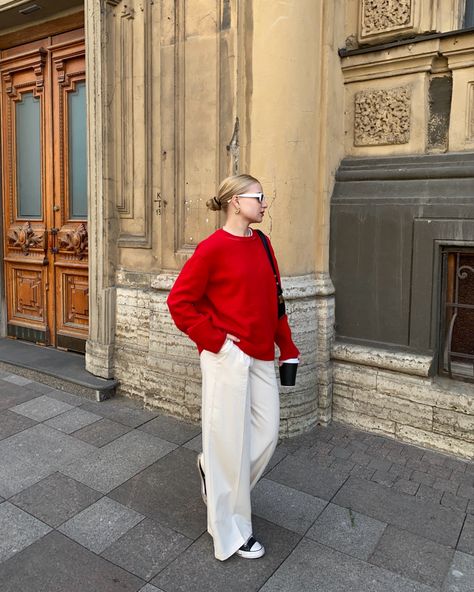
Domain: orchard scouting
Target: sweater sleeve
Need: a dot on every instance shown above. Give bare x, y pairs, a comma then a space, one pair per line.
187, 291
283, 337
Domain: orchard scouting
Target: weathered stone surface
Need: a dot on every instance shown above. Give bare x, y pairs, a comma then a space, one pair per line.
388, 407
437, 441
355, 376
345, 411
451, 423
379, 358
158, 363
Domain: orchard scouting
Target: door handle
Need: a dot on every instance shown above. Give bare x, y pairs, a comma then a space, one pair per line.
52, 240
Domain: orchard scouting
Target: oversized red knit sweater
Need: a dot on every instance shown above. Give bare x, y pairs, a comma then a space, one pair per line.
227, 286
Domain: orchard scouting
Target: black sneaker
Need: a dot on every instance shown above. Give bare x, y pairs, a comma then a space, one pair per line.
251, 550
203, 479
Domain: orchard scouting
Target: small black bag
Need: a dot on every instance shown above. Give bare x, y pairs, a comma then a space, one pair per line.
280, 299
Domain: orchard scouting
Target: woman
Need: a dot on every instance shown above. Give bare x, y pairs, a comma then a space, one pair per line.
225, 300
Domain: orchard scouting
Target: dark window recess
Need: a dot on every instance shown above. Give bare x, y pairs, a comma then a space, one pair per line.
457, 323
469, 14
441, 89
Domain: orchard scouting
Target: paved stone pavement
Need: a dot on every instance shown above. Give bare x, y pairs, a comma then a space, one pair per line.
105, 497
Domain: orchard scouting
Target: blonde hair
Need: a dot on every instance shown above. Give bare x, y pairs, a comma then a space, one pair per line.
229, 187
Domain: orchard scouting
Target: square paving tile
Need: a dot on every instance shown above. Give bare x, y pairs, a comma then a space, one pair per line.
426, 519
197, 569
42, 408
39, 388
168, 492
308, 476
101, 524
12, 423
15, 379
412, 556
195, 444
312, 566
102, 432
74, 400
11, 396
147, 548
114, 463
72, 420
57, 564
466, 541
287, 507
18, 529
171, 429
33, 454
56, 498
461, 574
122, 410
280, 453
347, 531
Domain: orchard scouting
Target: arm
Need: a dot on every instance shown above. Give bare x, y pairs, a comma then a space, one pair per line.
187, 291
283, 337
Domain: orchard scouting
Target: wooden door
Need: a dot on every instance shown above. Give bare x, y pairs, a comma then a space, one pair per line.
44, 179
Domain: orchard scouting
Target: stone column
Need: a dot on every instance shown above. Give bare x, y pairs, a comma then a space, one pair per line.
100, 345
292, 139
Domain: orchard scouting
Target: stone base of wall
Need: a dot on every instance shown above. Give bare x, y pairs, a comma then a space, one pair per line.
157, 363
391, 393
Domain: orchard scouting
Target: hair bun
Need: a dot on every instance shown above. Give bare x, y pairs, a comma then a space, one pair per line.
214, 204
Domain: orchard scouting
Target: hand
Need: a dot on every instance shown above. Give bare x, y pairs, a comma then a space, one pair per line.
232, 337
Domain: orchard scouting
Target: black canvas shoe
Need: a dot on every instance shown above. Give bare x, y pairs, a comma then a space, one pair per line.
251, 550
203, 479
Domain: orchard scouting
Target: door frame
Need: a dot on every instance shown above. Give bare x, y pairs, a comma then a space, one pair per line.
103, 250
28, 35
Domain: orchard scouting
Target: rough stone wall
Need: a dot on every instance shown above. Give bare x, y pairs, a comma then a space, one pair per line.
159, 364
373, 392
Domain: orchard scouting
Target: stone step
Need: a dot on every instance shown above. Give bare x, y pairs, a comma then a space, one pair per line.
59, 369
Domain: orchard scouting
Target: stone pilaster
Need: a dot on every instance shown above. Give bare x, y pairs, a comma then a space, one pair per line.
99, 347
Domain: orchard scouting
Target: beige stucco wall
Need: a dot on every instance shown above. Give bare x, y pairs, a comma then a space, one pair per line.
170, 113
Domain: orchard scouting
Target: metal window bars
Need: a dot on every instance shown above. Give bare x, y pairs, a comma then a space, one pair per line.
457, 322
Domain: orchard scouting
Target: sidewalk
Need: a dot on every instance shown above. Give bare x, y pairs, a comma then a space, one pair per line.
105, 497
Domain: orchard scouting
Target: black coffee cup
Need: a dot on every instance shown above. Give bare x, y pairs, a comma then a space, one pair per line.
288, 373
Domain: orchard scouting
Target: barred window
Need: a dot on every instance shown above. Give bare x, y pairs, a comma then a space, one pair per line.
457, 322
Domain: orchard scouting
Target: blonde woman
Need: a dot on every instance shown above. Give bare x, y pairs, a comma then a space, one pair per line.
225, 300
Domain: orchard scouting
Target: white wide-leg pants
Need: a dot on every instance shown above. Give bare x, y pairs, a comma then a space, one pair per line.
240, 421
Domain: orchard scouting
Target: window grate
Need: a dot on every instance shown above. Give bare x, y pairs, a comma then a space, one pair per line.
457, 323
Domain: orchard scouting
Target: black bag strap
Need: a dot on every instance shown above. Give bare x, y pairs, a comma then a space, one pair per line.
267, 249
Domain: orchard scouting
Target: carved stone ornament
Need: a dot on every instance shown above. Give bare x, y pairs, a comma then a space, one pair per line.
380, 16
75, 240
382, 117
24, 237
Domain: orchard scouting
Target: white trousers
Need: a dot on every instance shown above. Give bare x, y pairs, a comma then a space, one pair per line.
240, 421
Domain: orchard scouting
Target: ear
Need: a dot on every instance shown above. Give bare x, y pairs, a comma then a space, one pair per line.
235, 201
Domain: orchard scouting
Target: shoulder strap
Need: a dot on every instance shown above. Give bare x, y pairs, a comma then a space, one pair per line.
270, 258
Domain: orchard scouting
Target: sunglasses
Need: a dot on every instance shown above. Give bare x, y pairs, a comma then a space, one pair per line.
259, 196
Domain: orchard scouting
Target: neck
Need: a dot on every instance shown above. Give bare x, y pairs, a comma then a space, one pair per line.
237, 226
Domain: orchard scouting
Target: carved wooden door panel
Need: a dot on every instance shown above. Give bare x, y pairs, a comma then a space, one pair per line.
44, 191
69, 207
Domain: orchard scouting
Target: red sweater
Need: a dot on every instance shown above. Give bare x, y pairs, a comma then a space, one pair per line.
228, 286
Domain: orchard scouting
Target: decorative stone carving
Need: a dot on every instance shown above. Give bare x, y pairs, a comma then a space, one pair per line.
380, 16
24, 237
382, 117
